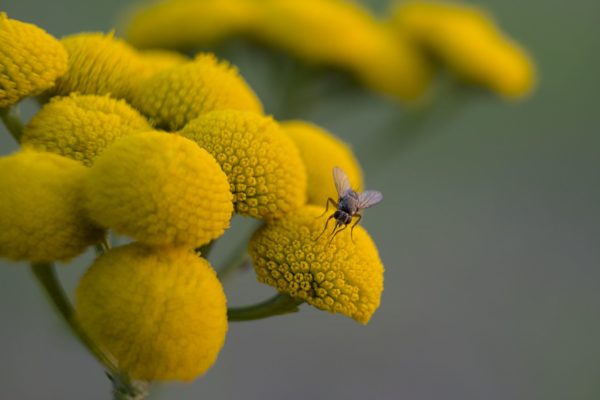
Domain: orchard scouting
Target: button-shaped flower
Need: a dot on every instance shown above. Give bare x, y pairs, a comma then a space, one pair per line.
161, 189
81, 126
344, 276
161, 313
265, 171
41, 215
320, 152
30, 60
174, 97
155, 61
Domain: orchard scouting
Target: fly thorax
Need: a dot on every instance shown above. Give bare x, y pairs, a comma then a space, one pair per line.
349, 203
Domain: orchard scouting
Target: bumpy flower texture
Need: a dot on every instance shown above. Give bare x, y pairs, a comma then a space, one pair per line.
30, 60
175, 96
160, 189
320, 152
161, 312
344, 277
100, 64
41, 215
155, 61
81, 126
470, 43
265, 171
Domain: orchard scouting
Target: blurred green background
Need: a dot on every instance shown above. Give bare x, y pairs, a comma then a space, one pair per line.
490, 234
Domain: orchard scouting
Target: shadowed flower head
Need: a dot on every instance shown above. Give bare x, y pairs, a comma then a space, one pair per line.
344, 277
161, 313
174, 97
30, 60
470, 43
160, 189
265, 171
41, 218
81, 126
320, 152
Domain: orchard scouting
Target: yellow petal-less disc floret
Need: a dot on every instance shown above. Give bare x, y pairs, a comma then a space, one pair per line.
100, 64
155, 61
344, 277
161, 189
81, 126
189, 24
41, 216
469, 42
30, 60
320, 152
161, 313
174, 97
265, 171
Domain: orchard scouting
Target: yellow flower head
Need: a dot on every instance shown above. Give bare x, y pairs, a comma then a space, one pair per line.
321, 151
470, 43
100, 64
161, 189
173, 97
30, 60
82, 126
161, 313
344, 277
41, 218
189, 24
155, 61
265, 171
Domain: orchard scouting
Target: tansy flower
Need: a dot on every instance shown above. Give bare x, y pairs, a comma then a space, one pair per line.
161, 313
174, 97
30, 60
320, 152
470, 43
155, 61
100, 64
189, 24
161, 189
41, 218
81, 126
265, 171
344, 277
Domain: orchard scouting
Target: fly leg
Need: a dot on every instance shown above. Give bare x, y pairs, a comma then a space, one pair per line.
329, 201
324, 229
354, 224
335, 232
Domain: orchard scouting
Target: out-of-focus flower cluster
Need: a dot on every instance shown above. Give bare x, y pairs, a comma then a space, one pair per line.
397, 54
164, 149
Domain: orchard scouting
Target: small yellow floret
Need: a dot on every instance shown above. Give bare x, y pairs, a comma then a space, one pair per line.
174, 97
470, 43
321, 151
30, 60
265, 171
161, 313
156, 61
161, 189
189, 24
344, 277
82, 126
100, 64
41, 217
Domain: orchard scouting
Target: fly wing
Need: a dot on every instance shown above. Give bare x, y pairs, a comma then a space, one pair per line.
369, 198
342, 184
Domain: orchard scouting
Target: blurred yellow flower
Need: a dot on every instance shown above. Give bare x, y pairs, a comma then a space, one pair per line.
160, 189
265, 171
470, 43
41, 215
100, 64
30, 60
160, 312
344, 277
175, 96
188, 24
81, 126
321, 151
155, 61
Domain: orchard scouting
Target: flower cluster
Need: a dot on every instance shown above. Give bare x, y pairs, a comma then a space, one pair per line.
95, 162
394, 55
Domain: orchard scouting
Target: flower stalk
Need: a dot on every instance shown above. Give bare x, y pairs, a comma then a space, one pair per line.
280, 304
10, 118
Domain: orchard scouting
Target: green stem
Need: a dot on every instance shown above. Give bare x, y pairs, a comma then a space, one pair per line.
279, 304
11, 120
